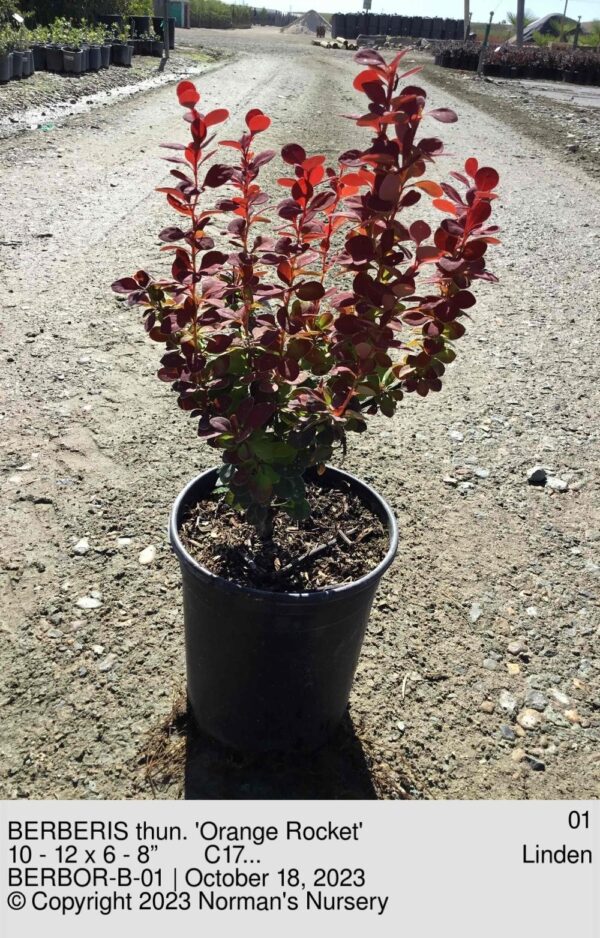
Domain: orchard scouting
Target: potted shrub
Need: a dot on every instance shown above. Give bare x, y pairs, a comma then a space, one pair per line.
278, 360
6, 53
39, 40
121, 52
157, 46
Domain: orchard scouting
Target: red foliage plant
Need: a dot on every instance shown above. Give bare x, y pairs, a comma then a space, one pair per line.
284, 342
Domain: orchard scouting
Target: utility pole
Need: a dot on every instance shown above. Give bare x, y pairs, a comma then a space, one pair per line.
483, 50
166, 28
467, 16
520, 21
577, 31
563, 24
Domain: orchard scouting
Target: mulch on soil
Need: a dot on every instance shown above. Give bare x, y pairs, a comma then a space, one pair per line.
340, 542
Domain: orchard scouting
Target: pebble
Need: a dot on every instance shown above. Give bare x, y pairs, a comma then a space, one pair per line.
512, 667
507, 732
482, 473
537, 476
536, 700
475, 612
532, 611
528, 718
556, 484
507, 701
98, 649
450, 480
536, 764
465, 487
401, 726
82, 672
148, 555
81, 547
490, 664
487, 706
89, 602
108, 662
123, 541
456, 435
517, 755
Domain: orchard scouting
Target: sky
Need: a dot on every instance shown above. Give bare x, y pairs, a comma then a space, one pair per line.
587, 9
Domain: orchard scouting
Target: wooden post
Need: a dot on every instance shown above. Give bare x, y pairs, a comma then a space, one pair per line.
467, 16
166, 28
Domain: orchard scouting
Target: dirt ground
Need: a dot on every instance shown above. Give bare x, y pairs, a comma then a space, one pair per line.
488, 619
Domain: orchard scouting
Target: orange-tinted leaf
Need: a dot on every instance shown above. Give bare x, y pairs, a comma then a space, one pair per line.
444, 206
431, 188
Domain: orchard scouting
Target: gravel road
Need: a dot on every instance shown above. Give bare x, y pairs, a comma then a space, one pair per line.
479, 677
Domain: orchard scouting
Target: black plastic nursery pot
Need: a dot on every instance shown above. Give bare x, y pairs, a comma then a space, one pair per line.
105, 53
17, 64
73, 61
6, 67
266, 670
95, 58
55, 60
39, 57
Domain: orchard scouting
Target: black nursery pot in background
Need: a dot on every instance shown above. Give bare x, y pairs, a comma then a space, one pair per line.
265, 670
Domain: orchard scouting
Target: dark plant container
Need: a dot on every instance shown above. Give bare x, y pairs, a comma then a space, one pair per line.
6, 67
265, 670
121, 53
17, 64
85, 59
55, 59
105, 51
158, 48
95, 55
73, 59
39, 57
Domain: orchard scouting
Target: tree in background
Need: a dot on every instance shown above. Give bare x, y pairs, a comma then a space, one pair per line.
528, 18
44, 11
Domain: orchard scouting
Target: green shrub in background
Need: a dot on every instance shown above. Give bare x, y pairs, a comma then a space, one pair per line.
45, 11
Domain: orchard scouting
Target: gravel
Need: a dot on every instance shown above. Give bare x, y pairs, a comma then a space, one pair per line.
109, 451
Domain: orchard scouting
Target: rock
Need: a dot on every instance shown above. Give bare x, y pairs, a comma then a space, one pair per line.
475, 612
450, 480
123, 541
556, 484
572, 147
536, 700
507, 732
456, 436
532, 611
98, 649
507, 701
572, 716
536, 764
490, 664
464, 487
528, 718
516, 647
537, 476
487, 706
81, 547
482, 473
82, 672
400, 726
89, 602
512, 667
517, 755
108, 662
148, 555
560, 697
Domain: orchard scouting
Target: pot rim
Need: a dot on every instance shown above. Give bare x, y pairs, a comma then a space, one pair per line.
314, 596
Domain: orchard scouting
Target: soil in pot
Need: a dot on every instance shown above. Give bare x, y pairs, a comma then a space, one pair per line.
341, 541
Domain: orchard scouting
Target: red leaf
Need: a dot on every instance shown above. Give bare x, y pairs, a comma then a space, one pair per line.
125, 285
444, 206
231, 143
444, 114
486, 178
389, 188
187, 94
471, 166
420, 231
218, 175
369, 75
369, 57
216, 117
259, 415
310, 290
293, 153
431, 188
256, 121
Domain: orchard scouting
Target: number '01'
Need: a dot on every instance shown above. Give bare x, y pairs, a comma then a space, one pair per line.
579, 819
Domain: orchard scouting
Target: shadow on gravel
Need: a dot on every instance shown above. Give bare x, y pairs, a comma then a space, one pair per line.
179, 761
